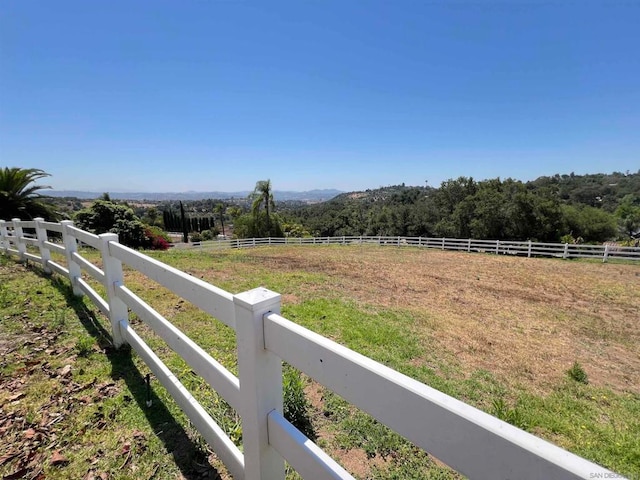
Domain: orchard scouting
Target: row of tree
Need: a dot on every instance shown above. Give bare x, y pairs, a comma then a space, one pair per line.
195, 221
465, 208
173, 222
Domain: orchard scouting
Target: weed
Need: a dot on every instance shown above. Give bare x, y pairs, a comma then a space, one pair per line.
59, 318
228, 419
219, 409
335, 407
5, 296
577, 373
84, 346
296, 407
363, 431
510, 415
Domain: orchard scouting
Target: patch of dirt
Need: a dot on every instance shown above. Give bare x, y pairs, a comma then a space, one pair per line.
355, 460
525, 320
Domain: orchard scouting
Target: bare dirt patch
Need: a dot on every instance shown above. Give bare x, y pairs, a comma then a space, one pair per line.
524, 320
354, 460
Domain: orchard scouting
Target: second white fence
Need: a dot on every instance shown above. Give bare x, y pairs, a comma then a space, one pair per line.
500, 247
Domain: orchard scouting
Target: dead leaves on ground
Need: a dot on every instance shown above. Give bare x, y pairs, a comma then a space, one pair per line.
23, 447
32, 431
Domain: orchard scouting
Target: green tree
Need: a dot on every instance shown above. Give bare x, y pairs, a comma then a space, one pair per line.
104, 216
628, 214
234, 212
262, 195
452, 192
265, 223
220, 209
453, 216
152, 217
20, 198
185, 225
295, 230
590, 223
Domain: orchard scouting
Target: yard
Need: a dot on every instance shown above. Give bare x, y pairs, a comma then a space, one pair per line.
501, 333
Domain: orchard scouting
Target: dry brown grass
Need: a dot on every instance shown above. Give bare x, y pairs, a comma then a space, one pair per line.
524, 320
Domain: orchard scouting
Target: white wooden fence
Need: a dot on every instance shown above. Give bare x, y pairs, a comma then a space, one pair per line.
472, 442
500, 247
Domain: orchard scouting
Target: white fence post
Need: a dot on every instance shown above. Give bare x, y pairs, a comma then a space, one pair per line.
113, 277
4, 241
497, 247
71, 246
529, 250
606, 253
18, 234
469, 245
565, 253
260, 374
442, 243
45, 254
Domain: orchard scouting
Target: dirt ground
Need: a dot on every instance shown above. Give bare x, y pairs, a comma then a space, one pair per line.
526, 320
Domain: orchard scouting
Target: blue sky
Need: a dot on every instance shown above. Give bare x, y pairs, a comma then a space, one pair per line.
215, 95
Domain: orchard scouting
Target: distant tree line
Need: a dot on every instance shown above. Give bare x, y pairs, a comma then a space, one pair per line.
591, 208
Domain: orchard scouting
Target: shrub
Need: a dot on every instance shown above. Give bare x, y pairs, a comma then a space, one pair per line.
577, 373
196, 237
158, 240
207, 235
210, 234
568, 238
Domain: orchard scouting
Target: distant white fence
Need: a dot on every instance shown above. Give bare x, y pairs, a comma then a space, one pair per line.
500, 247
470, 441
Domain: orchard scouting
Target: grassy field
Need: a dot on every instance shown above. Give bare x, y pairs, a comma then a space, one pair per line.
551, 346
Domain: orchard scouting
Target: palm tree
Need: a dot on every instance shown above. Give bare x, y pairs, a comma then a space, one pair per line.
19, 198
262, 194
220, 211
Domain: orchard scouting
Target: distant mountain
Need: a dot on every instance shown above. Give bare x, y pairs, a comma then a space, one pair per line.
311, 196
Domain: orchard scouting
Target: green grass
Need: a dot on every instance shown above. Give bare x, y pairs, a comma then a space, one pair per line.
591, 421
96, 414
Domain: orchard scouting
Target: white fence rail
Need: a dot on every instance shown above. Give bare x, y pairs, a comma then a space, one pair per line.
500, 247
470, 441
